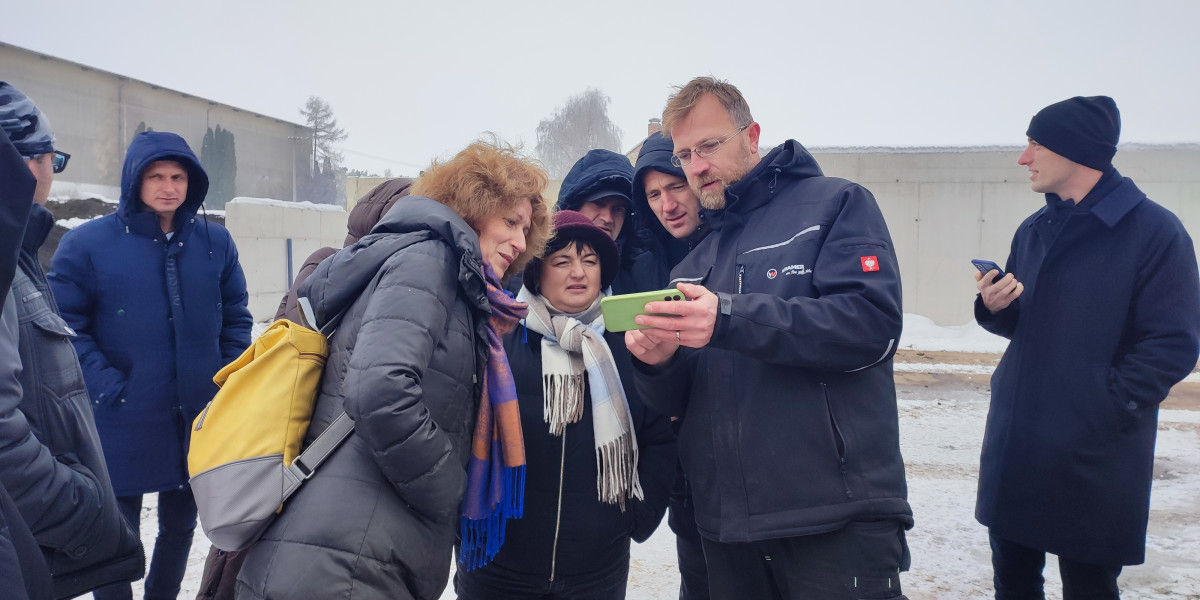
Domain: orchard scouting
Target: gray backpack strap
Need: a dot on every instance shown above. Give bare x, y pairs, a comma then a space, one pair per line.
312, 457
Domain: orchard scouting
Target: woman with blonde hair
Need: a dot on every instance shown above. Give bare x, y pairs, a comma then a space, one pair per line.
416, 362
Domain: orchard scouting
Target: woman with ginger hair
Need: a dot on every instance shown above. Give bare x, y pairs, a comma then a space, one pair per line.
415, 362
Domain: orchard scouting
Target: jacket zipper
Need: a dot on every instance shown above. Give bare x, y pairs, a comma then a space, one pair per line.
741, 272
838, 439
562, 462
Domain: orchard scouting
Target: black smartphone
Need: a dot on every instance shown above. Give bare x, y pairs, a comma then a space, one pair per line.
985, 266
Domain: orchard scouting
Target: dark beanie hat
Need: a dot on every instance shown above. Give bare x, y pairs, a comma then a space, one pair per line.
1085, 130
571, 226
25, 125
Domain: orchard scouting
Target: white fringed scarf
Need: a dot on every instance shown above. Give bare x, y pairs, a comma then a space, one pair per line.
571, 345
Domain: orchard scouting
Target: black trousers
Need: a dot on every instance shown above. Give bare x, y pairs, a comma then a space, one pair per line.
1018, 575
693, 574
860, 561
493, 582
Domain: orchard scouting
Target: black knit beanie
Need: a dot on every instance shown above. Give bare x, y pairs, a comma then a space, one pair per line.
1084, 130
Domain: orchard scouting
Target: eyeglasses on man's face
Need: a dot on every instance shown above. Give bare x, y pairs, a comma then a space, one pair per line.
705, 150
60, 161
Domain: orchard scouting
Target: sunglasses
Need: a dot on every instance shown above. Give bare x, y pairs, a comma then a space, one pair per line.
60, 161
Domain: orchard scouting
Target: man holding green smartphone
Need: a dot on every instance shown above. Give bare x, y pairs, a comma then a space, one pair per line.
781, 365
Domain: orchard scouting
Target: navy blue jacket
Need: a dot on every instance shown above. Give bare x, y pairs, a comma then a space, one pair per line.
1108, 321
156, 319
790, 423
641, 269
591, 536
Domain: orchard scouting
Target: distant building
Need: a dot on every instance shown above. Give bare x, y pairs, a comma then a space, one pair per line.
96, 113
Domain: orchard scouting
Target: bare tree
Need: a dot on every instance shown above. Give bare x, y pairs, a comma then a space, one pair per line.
326, 132
574, 129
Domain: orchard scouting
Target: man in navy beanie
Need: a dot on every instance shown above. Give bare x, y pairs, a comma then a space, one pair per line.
1101, 303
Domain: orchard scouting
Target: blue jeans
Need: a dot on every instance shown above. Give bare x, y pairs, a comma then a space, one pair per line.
176, 523
1018, 574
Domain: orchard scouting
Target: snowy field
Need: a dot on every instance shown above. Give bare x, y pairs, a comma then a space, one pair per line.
943, 405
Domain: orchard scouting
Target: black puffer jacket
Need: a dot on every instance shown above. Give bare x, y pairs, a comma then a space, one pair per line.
591, 535
790, 422
378, 519
50, 456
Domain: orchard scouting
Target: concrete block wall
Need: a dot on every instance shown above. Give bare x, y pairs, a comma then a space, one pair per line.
947, 206
262, 231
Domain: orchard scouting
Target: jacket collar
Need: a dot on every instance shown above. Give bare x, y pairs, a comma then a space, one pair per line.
37, 229
340, 279
1117, 196
789, 161
1110, 199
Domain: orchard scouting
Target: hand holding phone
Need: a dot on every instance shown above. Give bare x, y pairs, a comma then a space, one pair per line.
986, 266
619, 311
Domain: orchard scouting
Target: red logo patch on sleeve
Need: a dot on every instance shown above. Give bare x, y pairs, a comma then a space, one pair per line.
869, 263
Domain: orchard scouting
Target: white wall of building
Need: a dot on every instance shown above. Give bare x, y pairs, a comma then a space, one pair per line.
262, 230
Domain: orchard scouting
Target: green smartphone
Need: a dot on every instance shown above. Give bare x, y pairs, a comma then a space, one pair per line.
619, 311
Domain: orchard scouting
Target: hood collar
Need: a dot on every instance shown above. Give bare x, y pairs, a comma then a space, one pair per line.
341, 279
146, 148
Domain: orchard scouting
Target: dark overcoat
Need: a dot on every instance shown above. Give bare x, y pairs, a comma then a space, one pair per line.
1108, 321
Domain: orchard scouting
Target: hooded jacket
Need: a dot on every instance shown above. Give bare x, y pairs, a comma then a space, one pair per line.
155, 319
566, 533
790, 423
655, 155
1108, 321
362, 219
379, 518
641, 269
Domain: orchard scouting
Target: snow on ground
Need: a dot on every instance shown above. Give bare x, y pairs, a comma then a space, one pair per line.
286, 203
941, 428
67, 192
921, 333
73, 222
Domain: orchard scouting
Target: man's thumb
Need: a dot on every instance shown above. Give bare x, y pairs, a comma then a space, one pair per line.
692, 291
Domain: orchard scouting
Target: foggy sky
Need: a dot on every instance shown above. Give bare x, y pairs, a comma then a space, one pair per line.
411, 81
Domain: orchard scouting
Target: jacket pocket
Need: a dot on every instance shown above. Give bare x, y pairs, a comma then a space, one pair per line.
56, 364
839, 440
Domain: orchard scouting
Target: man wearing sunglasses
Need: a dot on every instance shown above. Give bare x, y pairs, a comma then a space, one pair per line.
50, 457
781, 365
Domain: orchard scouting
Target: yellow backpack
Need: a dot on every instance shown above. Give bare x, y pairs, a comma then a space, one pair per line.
244, 459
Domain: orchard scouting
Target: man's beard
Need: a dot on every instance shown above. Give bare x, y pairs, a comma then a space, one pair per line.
712, 199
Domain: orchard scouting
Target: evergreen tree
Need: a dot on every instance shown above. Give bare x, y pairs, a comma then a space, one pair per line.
325, 131
219, 159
